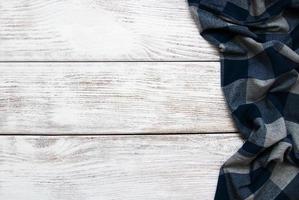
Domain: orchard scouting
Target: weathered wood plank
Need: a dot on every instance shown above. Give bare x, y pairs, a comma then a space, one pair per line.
132, 97
183, 167
100, 30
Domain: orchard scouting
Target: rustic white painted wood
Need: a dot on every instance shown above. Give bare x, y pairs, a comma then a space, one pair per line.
109, 97
132, 97
178, 167
100, 30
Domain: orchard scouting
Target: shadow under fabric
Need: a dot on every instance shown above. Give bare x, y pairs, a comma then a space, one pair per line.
258, 41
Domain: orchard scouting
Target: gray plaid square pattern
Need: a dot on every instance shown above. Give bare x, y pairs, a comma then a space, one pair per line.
258, 41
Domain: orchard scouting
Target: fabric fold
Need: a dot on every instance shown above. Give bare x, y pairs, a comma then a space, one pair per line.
258, 41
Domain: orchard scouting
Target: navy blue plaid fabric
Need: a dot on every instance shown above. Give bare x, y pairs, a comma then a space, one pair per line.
258, 41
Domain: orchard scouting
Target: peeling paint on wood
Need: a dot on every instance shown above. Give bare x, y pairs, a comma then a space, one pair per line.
86, 30
183, 167
125, 97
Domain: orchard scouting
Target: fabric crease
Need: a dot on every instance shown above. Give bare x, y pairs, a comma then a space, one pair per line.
258, 41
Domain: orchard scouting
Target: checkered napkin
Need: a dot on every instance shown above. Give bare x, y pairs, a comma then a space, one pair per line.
259, 45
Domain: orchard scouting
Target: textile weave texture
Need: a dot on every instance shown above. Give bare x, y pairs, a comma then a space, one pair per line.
258, 41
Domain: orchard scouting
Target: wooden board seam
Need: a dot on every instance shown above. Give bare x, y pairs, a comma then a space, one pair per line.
117, 134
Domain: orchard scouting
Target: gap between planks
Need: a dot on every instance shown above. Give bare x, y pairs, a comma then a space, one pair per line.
115, 134
107, 61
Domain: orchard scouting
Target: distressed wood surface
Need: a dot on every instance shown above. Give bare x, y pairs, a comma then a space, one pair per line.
109, 98
96, 98
179, 167
100, 30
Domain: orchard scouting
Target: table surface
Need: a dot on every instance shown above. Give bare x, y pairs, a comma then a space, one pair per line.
109, 100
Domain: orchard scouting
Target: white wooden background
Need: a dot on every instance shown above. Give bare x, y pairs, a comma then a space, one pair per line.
109, 100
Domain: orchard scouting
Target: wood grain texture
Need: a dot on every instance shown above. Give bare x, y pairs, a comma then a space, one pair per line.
95, 98
100, 30
113, 167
